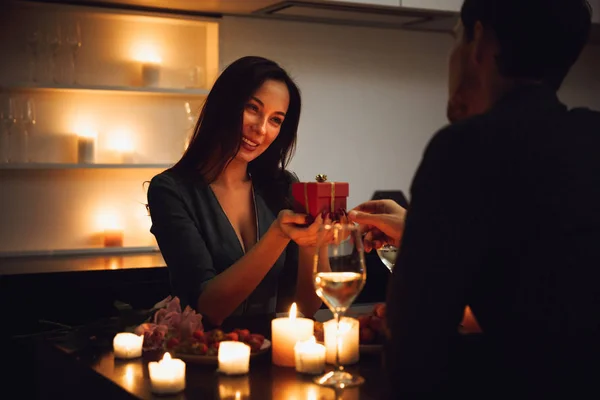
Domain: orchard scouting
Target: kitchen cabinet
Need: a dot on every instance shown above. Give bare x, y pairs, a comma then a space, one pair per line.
595, 10
435, 5
389, 3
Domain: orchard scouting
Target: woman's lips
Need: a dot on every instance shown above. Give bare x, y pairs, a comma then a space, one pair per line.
248, 144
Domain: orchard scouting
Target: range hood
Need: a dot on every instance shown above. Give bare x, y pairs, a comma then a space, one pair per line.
360, 14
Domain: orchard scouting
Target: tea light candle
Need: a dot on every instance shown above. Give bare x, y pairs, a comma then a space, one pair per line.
86, 149
347, 340
234, 358
150, 74
167, 376
127, 345
113, 238
310, 357
286, 333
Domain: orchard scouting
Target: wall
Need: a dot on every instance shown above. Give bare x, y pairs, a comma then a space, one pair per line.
371, 98
371, 101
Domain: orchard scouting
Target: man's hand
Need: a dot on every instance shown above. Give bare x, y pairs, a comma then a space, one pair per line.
382, 219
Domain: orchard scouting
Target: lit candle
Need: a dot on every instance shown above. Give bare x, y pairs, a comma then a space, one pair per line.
167, 376
234, 358
127, 345
113, 238
347, 340
86, 149
310, 356
286, 333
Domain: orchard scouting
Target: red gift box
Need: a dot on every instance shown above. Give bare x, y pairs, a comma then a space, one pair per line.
313, 198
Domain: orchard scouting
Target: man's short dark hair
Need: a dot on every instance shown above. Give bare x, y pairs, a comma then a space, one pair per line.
538, 39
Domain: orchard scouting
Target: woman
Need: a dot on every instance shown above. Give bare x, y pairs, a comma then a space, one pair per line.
220, 214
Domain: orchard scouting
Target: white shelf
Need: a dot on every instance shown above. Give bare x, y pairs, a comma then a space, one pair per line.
41, 166
106, 89
104, 251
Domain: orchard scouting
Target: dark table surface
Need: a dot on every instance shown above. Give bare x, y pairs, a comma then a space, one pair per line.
91, 371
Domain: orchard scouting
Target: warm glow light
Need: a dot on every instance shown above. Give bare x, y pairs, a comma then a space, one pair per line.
146, 52
121, 141
293, 311
107, 220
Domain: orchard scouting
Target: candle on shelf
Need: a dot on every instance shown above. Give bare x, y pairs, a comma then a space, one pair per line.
127, 345
347, 340
167, 376
234, 358
86, 149
310, 357
150, 73
234, 387
113, 238
286, 333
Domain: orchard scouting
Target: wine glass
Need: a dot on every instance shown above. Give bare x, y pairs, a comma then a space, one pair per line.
33, 43
339, 276
73, 40
54, 40
388, 254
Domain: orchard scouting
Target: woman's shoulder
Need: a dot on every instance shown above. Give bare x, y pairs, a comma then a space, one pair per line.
172, 183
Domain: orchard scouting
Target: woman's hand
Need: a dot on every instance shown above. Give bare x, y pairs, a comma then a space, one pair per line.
290, 224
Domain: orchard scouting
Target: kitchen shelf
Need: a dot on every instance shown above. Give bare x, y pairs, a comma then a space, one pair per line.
106, 89
41, 166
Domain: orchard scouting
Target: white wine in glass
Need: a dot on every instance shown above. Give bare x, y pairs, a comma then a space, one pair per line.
339, 276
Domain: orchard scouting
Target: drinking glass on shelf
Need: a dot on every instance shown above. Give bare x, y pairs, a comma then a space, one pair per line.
53, 39
33, 43
8, 116
28, 120
340, 253
74, 42
388, 254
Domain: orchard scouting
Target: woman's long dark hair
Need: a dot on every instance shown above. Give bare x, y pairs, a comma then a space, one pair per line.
218, 132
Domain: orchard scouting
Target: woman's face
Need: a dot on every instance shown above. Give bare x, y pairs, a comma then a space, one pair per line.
263, 116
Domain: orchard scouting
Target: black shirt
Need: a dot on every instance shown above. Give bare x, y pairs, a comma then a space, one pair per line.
505, 217
198, 242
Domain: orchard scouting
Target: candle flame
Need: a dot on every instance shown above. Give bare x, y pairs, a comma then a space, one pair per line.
293, 311
238, 395
166, 357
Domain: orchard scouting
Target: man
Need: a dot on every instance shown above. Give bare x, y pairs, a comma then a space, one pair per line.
504, 216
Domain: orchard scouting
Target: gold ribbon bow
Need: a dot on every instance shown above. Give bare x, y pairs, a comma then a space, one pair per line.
319, 178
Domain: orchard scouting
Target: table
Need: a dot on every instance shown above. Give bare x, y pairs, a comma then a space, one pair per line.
94, 373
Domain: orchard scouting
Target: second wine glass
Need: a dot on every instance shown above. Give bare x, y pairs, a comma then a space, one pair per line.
339, 276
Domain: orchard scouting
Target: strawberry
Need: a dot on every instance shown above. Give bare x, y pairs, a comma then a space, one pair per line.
258, 338
199, 348
254, 343
232, 336
172, 343
243, 334
199, 335
376, 324
364, 320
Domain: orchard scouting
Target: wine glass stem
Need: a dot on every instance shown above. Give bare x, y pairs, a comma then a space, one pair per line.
338, 365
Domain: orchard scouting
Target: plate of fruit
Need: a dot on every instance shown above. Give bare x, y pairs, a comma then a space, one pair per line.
372, 330
203, 347
182, 334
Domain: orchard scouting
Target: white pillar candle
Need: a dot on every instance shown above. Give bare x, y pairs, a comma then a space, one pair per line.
167, 376
150, 74
347, 340
310, 357
286, 332
234, 358
127, 345
86, 149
